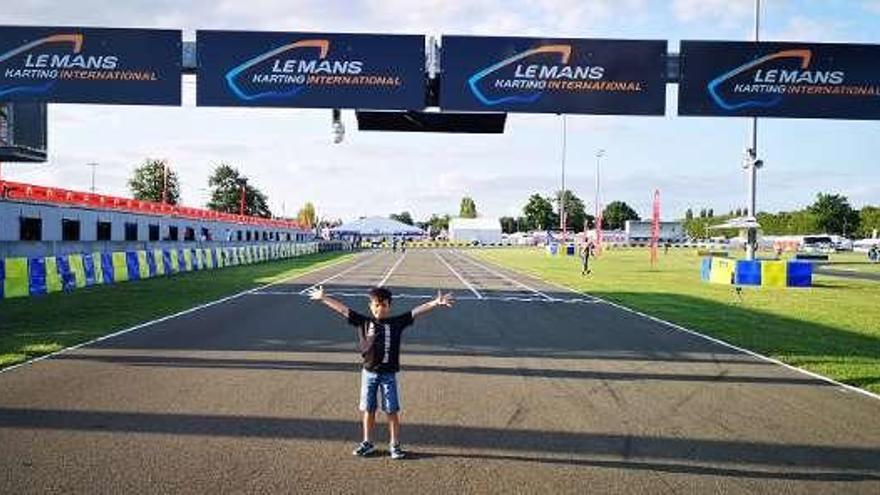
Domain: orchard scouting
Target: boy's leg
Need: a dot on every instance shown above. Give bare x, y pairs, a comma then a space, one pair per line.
394, 428
391, 405
368, 405
368, 422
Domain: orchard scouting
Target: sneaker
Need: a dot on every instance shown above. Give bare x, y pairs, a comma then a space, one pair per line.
364, 449
397, 452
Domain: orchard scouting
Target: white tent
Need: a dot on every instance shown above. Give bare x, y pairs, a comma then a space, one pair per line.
482, 230
377, 227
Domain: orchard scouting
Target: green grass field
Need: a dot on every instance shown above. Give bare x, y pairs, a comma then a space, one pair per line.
31, 327
854, 262
832, 329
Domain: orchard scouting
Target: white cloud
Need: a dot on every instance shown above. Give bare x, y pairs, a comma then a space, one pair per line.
802, 28
721, 11
872, 6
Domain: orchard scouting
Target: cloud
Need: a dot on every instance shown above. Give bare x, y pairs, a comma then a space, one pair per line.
803, 28
722, 11
872, 6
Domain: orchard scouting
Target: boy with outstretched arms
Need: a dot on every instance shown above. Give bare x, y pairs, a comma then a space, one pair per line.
379, 344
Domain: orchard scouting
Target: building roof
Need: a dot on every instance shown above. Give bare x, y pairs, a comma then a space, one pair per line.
377, 226
483, 223
32, 193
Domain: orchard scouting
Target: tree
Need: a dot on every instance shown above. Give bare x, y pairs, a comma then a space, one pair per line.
522, 224
688, 215
703, 213
508, 225
616, 214
710, 213
402, 217
575, 212
468, 208
788, 223
226, 183
834, 215
307, 216
436, 224
148, 181
869, 220
538, 212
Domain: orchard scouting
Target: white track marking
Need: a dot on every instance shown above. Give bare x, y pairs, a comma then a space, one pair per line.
754, 354
503, 276
465, 282
334, 277
535, 299
391, 270
170, 317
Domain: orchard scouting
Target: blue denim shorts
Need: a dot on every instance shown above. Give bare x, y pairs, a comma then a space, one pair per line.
372, 383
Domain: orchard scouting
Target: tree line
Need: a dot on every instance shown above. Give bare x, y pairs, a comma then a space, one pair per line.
155, 180
828, 214
543, 213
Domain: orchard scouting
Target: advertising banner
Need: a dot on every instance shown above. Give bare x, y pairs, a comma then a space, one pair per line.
90, 65
319, 70
623, 77
774, 79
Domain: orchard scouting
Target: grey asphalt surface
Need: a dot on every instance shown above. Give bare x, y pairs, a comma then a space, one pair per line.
522, 387
833, 271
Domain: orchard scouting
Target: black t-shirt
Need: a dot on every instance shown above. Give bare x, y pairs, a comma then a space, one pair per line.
379, 340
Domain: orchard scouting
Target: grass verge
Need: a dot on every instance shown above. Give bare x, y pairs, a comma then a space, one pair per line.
832, 328
32, 327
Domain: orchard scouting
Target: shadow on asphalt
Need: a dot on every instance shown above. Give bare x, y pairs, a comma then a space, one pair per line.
530, 372
687, 455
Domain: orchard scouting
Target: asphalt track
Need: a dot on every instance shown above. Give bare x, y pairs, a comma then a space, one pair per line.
520, 388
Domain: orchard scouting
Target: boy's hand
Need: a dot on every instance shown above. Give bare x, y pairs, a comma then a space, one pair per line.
317, 294
444, 299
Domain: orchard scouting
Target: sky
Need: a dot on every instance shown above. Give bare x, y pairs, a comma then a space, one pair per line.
288, 153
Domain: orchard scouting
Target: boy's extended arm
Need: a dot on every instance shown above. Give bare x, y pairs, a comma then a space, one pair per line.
318, 295
441, 300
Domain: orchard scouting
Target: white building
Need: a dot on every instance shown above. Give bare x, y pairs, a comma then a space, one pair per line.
640, 231
482, 230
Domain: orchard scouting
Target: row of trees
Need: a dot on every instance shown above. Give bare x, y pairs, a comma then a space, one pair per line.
829, 214
543, 213
155, 180
539, 213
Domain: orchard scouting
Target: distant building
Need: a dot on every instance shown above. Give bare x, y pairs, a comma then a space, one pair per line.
45, 221
640, 231
483, 230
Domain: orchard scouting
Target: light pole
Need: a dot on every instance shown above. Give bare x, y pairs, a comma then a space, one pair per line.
751, 162
599, 154
94, 166
562, 222
242, 183
164, 183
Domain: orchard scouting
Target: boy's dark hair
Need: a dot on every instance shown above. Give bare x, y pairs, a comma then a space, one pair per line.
380, 294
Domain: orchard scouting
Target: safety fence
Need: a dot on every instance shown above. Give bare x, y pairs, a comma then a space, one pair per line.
23, 277
765, 273
426, 244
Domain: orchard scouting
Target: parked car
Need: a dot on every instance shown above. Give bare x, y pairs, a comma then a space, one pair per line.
817, 244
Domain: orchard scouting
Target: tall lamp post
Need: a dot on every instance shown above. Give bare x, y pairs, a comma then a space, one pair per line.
599, 154
164, 183
562, 222
751, 162
242, 183
94, 166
